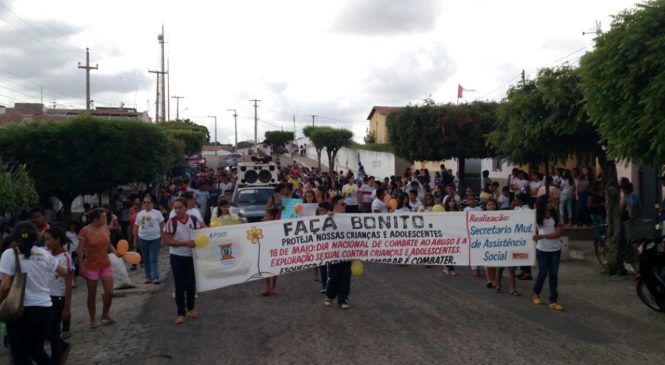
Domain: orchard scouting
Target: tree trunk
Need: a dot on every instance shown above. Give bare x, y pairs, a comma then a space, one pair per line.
613, 241
318, 157
331, 161
461, 171
67, 209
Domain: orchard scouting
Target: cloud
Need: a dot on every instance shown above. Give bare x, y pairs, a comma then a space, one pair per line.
32, 60
381, 17
410, 76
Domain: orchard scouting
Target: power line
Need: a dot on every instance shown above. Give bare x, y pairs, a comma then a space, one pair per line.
538, 68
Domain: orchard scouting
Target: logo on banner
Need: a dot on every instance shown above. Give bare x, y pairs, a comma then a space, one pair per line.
520, 255
227, 254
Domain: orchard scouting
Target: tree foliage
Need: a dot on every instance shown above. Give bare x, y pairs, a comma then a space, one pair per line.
330, 139
86, 155
194, 136
624, 85
17, 189
543, 121
431, 132
278, 137
308, 131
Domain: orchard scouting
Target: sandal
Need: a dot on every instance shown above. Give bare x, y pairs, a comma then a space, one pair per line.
108, 322
515, 293
93, 325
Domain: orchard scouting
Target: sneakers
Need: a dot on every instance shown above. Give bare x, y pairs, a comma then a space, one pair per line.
323, 291
180, 320
556, 306
345, 306
147, 281
156, 282
327, 302
536, 300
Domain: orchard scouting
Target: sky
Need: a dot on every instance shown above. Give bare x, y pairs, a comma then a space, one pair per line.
331, 59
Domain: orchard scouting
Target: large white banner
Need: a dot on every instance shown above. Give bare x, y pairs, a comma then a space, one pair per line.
235, 254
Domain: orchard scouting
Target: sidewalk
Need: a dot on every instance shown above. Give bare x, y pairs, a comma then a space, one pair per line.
118, 343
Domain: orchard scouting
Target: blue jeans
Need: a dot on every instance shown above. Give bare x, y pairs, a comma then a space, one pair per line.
566, 207
597, 220
150, 252
548, 265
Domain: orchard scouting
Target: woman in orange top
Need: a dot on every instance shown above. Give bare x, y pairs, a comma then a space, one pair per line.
94, 246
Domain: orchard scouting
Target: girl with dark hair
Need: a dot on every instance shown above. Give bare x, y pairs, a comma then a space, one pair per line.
61, 293
567, 195
28, 333
548, 251
403, 203
94, 245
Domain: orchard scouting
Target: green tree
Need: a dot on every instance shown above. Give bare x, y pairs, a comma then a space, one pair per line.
187, 124
192, 140
623, 81
86, 155
431, 132
332, 139
17, 189
279, 137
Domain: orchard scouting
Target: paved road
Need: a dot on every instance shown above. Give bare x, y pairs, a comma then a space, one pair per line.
411, 315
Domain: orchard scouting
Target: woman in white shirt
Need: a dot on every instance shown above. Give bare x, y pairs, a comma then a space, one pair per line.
548, 251
148, 228
177, 235
28, 333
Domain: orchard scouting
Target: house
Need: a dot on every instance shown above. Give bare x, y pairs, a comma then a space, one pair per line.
31, 112
377, 122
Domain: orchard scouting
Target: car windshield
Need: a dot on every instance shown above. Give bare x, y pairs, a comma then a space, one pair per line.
233, 155
254, 196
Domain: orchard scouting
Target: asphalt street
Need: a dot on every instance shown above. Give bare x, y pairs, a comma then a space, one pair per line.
411, 315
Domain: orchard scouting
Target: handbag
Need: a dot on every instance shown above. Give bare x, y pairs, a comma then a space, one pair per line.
11, 307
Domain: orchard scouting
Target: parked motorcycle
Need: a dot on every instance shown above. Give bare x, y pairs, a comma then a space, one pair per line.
650, 280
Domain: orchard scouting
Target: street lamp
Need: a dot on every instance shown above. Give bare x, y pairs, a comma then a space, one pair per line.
235, 123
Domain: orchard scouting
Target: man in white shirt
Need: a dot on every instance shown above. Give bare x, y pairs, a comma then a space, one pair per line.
378, 206
414, 203
263, 153
365, 195
450, 193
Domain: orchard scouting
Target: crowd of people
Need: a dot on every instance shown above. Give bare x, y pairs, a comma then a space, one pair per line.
166, 214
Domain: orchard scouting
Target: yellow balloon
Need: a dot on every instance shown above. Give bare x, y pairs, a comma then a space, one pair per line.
437, 208
357, 267
201, 241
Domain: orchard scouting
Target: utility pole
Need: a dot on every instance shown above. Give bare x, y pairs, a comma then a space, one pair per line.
177, 107
168, 88
313, 116
87, 69
235, 125
523, 77
161, 40
156, 95
294, 126
213, 116
256, 121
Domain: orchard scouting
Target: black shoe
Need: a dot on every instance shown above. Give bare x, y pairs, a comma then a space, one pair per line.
525, 277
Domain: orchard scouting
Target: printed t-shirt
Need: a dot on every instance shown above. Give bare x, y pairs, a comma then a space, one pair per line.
40, 268
183, 232
148, 223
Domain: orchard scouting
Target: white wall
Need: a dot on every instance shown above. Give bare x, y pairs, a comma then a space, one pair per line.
377, 164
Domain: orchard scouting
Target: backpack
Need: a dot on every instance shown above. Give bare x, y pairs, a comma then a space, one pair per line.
174, 223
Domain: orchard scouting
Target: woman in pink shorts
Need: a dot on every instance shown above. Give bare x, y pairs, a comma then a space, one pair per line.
94, 246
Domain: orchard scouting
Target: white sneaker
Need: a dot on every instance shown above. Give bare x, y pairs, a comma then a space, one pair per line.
328, 302
344, 306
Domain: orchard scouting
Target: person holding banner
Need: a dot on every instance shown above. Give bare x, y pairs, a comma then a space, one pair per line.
339, 274
177, 235
270, 214
323, 209
548, 251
